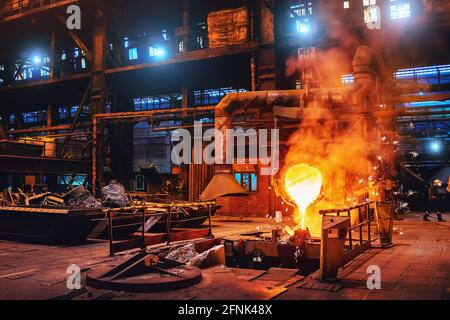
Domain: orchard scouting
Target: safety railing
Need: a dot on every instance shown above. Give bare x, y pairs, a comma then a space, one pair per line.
338, 247
154, 210
364, 220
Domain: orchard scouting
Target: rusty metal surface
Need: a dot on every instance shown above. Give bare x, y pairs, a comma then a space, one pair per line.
144, 272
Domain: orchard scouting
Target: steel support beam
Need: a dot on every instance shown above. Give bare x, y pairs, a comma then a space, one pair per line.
77, 39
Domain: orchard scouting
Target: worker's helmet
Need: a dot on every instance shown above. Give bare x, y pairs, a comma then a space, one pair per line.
437, 182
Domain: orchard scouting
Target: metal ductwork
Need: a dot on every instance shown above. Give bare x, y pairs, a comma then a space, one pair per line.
223, 183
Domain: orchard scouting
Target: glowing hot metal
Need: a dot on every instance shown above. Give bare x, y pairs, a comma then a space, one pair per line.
303, 184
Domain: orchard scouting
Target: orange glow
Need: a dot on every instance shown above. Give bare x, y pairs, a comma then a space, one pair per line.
303, 184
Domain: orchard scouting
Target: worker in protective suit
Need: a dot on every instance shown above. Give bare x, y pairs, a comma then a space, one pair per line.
434, 201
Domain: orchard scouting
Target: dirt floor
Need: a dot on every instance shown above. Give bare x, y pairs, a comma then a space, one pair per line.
417, 267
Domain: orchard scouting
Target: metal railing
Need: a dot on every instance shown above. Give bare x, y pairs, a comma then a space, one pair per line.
364, 222
337, 243
144, 212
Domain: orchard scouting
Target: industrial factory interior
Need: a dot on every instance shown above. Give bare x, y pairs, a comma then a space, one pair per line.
237, 150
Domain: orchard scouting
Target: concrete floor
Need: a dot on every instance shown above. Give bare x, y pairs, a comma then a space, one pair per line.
417, 267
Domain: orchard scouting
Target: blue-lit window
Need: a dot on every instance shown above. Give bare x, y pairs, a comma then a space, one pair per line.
369, 2
211, 97
35, 117
348, 79
249, 181
400, 11
371, 14
126, 42
164, 34
158, 102
181, 46
63, 113
300, 13
75, 181
154, 52
2, 70
426, 75
132, 54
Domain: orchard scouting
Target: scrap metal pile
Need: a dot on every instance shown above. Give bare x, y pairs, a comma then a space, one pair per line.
113, 196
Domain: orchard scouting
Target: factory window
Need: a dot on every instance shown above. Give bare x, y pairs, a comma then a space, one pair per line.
211, 97
371, 14
76, 181
346, 4
300, 13
65, 113
158, 102
164, 34
84, 112
33, 67
35, 117
425, 75
348, 79
180, 46
369, 2
249, 181
73, 60
2, 69
202, 35
400, 11
132, 54
154, 52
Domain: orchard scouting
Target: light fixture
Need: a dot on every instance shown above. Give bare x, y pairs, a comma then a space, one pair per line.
37, 60
435, 146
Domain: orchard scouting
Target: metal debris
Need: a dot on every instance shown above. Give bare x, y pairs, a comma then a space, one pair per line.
188, 255
114, 195
182, 254
211, 257
81, 198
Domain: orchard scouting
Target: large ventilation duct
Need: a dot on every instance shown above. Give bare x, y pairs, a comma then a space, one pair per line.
223, 183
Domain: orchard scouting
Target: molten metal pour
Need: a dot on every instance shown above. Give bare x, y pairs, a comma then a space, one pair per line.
302, 185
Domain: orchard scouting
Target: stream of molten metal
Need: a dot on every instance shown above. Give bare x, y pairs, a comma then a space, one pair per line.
303, 184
